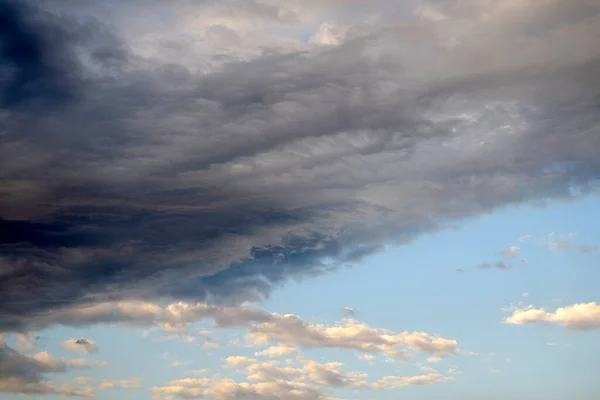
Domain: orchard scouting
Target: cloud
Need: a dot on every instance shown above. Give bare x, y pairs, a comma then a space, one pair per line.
366, 357
172, 318
578, 317
498, 265
349, 312
135, 383
525, 238
180, 363
85, 346
511, 252
395, 382
21, 374
276, 351
263, 327
26, 342
587, 249
560, 243
133, 177
302, 379
351, 334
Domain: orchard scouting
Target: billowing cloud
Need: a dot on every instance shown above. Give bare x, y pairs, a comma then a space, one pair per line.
130, 176
85, 346
578, 317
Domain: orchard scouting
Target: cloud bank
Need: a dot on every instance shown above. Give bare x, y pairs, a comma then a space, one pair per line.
263, 157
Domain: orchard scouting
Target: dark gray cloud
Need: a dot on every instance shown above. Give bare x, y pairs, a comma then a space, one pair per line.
154, 179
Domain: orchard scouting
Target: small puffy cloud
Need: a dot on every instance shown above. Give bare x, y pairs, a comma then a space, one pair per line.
366, 357
85, 346
501, 265
135, 383
511, 252
578, 317
240, 361
560, 242
276, 351
180, 363
200, 371
524, 294
211, 346
82, 380
525, 238
494, 371
394, 382
348, 312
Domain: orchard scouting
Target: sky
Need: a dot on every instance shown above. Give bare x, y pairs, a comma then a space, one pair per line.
303, 200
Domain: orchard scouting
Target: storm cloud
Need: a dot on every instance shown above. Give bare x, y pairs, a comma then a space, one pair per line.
126, 175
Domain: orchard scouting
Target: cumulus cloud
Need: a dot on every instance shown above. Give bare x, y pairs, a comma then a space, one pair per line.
130, 175
303, 380
25, 375
578, 317
351, 334
82, 345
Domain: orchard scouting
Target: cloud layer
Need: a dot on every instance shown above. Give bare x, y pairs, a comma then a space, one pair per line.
128, 176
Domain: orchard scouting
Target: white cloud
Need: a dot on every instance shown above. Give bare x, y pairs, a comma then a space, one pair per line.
394, 382
85, 346
560, 242
511, 252
525, 238
578, 317
353, 335
135, 383
276, 351
306, 380
180, 363
366, 357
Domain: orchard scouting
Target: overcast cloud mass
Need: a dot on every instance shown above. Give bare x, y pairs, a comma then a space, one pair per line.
210, 151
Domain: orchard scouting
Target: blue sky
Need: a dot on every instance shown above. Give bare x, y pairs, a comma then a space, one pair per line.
299, 199
418, 288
